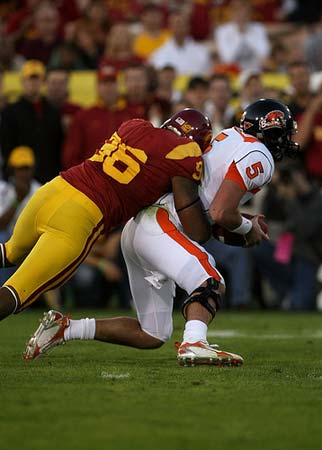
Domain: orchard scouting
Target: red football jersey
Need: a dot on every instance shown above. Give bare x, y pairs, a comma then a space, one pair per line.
134, 168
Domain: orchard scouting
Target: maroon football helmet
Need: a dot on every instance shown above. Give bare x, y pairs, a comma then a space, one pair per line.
192, 124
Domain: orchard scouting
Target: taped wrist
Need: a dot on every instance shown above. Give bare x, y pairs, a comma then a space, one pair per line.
244, 228
202, 295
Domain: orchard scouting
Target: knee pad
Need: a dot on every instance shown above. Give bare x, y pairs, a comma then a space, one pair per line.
201, 295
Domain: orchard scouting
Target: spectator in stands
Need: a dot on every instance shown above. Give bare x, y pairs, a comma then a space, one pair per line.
277, 61
240, 40
66, 57
57, 95
201, 18
152, 35
119, 51
301, 93
15, 193
140, 97
32, 121
46, 36
87, 51
91, 126
20, 23
313, 46
290, 265
306, 108
218, 107
87, 35
293, 41
250, 89
310, 136
165, 84
313, 50
96, 21
123, 11
181, 52
9, 60
196, 93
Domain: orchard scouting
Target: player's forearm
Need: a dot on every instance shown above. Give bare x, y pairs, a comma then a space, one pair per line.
195, 223
229, 219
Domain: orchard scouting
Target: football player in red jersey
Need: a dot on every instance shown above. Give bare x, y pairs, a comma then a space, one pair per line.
61, 222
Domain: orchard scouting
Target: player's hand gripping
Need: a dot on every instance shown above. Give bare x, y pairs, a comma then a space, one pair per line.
258, 233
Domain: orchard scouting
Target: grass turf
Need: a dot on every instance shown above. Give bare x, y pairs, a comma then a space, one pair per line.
89, 395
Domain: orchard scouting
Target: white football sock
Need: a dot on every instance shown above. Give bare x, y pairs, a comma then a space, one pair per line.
80, 329
194, 331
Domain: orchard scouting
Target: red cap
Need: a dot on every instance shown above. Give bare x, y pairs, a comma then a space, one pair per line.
106, 73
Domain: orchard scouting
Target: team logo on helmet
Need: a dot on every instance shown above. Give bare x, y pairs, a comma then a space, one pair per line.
185, 126
272, 119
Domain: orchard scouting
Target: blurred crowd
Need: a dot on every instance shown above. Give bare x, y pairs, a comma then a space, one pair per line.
138, 49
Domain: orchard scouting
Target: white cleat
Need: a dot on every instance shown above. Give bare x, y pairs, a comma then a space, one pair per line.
201, 352
48, 335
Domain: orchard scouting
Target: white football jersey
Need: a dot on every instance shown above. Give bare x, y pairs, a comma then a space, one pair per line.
232, 155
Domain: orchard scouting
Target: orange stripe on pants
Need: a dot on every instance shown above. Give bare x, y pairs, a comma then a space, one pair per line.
170, 229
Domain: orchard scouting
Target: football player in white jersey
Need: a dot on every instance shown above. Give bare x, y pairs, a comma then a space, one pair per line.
158, 254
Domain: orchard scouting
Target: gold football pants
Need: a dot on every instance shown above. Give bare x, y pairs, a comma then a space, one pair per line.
52, 237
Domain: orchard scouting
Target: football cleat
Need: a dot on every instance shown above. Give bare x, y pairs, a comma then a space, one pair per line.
201, 352
48, 335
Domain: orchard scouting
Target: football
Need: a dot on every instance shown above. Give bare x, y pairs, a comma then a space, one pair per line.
230, 238
261, 221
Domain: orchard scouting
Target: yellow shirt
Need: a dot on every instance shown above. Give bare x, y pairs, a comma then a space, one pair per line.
145, 44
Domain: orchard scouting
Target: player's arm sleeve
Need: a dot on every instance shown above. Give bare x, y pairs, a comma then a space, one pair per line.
251, 171
186, 161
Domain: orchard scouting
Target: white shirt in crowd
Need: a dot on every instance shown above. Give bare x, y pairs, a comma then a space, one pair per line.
190, 59
8, 197
247, 49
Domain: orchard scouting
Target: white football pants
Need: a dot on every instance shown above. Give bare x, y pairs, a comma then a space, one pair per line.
158, 254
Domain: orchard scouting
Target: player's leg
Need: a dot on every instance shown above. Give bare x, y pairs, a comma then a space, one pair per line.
153, 299
154, 258
195, 272
24, 237
166, 255
60, 245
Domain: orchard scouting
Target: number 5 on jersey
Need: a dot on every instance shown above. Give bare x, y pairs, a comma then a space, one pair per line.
254, 170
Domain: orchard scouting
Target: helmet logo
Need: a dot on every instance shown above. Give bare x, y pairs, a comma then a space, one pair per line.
247, 125
272, 119
185, 126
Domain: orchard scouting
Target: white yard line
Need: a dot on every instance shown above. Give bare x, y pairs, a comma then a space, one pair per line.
305, 334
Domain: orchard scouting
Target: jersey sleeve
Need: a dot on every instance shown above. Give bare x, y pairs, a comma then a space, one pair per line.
252, 170
186, 161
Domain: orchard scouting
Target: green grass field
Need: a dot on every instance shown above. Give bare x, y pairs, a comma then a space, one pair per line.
89, 395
